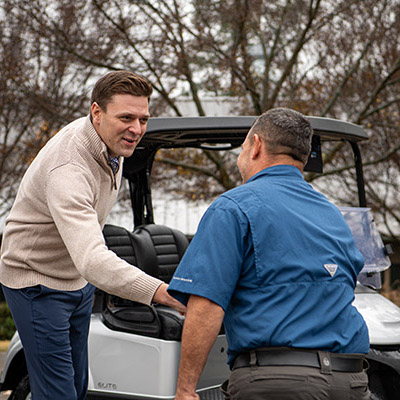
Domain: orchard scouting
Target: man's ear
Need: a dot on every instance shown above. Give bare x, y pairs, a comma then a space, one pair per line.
95, 112
257, 146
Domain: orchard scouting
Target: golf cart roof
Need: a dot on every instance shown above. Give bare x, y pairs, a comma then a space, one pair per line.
200, 131
221, 133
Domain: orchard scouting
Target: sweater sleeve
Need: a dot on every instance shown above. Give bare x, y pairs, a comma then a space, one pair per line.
71, 201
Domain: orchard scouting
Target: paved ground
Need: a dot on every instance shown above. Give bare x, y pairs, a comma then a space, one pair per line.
3, 395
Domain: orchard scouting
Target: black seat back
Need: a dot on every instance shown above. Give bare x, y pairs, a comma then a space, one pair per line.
119, 240
158, 250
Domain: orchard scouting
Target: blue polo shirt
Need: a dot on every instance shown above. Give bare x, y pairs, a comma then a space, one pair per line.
281, 261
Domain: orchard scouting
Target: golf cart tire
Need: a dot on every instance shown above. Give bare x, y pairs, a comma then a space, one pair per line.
22, 391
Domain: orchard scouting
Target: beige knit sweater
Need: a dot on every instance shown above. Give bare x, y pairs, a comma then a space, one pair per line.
53, 235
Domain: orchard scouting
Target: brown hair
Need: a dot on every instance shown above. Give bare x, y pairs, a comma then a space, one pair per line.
120, 82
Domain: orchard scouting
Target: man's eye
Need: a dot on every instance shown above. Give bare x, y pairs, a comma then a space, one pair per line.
143, 121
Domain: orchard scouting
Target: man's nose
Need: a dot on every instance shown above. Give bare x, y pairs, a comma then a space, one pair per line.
135, 127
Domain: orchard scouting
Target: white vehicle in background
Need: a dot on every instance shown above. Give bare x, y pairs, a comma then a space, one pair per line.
134, 349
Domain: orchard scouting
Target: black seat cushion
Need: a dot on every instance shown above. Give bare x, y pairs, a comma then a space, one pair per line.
171, 323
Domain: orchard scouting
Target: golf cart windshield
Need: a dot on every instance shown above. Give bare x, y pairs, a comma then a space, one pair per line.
369, 242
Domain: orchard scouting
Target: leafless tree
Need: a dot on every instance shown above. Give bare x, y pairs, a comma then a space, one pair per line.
40, 90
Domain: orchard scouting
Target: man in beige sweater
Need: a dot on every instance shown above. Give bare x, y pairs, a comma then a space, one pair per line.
53, 243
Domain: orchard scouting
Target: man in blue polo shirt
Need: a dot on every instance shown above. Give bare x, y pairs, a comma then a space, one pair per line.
276, 262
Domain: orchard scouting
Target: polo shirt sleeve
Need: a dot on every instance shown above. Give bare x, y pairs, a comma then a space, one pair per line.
212, 263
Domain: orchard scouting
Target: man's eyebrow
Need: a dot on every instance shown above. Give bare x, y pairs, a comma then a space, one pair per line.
129, 114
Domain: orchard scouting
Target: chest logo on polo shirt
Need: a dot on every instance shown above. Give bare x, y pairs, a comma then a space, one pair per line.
331, 268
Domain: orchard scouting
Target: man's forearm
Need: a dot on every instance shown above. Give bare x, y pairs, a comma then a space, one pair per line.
202, 325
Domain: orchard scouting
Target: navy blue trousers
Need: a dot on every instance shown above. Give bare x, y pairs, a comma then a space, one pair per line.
53, 326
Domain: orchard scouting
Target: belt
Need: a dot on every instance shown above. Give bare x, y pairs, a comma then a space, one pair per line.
278, 356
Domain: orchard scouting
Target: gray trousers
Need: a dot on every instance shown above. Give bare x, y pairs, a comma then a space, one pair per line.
295, 383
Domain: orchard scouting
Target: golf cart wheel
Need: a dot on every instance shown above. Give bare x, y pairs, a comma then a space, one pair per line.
377, 388
23, 390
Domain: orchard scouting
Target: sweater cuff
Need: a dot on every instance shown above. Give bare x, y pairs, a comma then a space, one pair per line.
144, 288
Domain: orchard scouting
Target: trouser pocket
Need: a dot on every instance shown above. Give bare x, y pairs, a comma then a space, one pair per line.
359, 387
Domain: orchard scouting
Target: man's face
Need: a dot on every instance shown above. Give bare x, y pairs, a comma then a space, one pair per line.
243, 161
122, 125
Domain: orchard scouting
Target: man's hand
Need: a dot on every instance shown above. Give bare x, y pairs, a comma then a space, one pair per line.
161, 296
186, 396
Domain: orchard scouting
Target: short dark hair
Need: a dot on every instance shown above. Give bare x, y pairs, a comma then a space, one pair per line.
285, 131
120, 82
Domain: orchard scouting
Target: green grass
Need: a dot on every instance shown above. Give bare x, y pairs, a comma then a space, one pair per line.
7, 326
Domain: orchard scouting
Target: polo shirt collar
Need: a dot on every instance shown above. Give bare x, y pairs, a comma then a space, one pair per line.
278, 170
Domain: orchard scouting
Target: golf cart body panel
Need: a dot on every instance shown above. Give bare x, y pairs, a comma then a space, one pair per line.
154, 378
